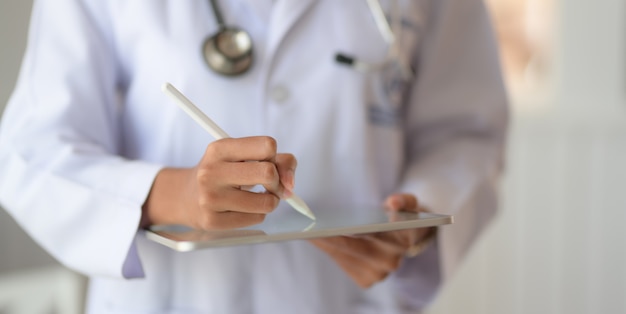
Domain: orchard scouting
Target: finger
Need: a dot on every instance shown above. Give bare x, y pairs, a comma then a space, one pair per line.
235, 200
397, 202
255, 148
391, 242
286, 165
398, 241
229, 220
361, 273
369, 252
242, 174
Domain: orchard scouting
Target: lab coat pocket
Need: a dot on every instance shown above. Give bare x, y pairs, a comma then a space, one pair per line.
388, 83
385, 94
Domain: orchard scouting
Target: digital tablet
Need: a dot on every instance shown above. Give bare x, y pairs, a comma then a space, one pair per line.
286, 224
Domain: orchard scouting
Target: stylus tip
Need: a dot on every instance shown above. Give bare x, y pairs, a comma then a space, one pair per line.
298, 204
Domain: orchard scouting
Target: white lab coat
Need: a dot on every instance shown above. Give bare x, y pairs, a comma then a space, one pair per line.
87, 129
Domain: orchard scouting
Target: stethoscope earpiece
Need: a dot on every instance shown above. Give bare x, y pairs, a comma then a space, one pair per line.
229, 51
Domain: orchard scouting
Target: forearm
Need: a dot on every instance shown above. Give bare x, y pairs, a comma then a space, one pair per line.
458, 178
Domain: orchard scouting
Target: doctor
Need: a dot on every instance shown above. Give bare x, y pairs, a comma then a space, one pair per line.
412, 117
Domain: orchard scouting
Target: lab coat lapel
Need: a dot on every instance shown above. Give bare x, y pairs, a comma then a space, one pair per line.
284, 16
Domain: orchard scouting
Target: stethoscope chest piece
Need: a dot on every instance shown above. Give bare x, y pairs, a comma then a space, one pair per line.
229, 51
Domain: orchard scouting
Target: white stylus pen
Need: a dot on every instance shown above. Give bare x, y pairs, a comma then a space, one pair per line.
197, 115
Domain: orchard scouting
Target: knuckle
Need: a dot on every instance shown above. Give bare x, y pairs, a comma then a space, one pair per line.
258, 218
269, 143
208, 199
268, 172
252, 219
397, 262
204, 201
289, 158
365, 283
268, 203
203, 176
213, 148
342, 242
391, 264
381, 276
210, 174
294, 161
207, 222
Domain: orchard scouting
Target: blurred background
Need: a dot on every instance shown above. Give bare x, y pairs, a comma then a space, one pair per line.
559, 242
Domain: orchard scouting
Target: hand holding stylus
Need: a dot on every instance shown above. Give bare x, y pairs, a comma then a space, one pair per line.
271, 179
212, 195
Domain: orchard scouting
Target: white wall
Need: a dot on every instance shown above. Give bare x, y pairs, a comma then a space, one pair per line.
14, 15
559, 244
17, 250
592, 62
30, 280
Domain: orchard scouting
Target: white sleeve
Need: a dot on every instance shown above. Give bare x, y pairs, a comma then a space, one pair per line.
62, 178
458, 117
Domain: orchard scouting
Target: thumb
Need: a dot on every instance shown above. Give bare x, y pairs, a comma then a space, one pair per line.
400, 202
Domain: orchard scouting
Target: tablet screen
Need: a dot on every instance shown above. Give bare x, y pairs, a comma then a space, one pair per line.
286, 224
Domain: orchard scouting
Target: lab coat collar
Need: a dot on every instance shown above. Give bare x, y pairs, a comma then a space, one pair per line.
285, 14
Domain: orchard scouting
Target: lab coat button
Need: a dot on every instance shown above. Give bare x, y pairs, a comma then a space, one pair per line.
279, 94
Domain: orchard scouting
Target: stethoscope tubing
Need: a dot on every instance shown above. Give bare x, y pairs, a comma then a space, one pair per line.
237, 65
217, 13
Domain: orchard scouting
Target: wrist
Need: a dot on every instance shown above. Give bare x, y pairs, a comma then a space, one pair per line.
169, 198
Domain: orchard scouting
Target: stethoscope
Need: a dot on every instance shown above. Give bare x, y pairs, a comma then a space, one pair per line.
229, 51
